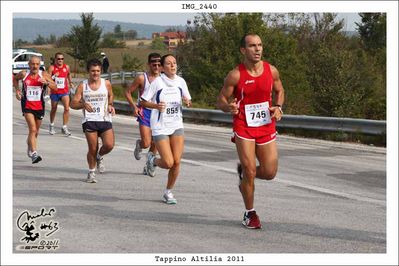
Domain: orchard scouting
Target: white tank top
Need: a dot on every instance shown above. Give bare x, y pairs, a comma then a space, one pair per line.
147, 85
98, 100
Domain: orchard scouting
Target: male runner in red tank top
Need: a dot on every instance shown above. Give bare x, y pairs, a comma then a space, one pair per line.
247, 95
60, 73
32, 102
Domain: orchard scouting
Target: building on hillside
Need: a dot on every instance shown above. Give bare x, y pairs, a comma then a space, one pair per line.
171, 39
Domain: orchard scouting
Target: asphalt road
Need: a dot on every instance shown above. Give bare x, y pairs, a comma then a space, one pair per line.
328, 197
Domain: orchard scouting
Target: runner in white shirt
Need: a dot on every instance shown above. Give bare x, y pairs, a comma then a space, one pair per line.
165, 97
96, 98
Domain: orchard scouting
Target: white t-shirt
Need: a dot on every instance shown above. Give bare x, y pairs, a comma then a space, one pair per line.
98, 100
169, 91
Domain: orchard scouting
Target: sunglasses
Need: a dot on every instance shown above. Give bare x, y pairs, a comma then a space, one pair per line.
60, 58
156, 65
155, 60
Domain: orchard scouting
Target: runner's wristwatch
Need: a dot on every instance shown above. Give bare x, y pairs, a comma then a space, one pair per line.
279, 107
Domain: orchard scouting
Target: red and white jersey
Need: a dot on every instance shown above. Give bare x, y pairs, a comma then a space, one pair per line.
32, 90
60, 75
254, 97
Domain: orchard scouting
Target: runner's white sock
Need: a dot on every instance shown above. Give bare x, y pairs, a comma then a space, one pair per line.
92, 170
166, 191
247, 211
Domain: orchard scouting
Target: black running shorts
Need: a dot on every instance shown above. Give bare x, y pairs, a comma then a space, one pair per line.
39, 114
96, 126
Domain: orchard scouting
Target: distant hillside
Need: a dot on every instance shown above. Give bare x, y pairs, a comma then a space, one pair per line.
28, 28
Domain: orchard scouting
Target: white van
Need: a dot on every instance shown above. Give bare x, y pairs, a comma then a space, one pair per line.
20, 60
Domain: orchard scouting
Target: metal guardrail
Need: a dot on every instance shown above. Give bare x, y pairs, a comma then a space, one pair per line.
317, 123
121, 75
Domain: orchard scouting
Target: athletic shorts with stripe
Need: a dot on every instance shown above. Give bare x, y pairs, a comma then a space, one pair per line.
144, 119
260, 135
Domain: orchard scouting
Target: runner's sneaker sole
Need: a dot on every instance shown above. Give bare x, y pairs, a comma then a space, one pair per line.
91, 181
100, 166
66, 133
251, 227
137, 150
171, 202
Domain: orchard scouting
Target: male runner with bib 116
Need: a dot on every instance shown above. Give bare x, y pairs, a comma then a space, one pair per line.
32, 101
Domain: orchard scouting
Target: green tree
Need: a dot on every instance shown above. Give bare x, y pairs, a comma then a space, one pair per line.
118, 33
131, 35
63, 41
131, 63
372, 30
110, 42
19, 43
52, 39
214, 51
157, 44
40, 40
85, 39
118, 29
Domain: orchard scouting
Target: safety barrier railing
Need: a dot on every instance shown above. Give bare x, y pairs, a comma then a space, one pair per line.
317, 123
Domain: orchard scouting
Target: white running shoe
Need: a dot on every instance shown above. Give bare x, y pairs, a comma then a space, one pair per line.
168, 198
46, 98
150, 164
138, 150
65, 131
100, 165
51, 130
91, 177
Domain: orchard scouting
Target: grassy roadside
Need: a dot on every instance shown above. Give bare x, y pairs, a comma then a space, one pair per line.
114, 55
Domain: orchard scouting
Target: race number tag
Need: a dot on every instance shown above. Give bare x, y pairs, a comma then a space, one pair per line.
33, 93
98, 111
60, 83
171, 113
257, 114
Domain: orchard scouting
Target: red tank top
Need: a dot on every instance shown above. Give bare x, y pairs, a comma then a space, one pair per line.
254, 92
60, 75
33, 92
